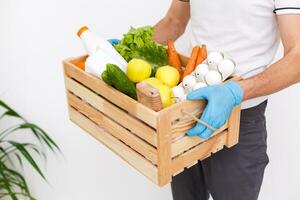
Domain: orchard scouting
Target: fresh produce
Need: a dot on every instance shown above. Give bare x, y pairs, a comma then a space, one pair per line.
115, 77
213, 59
153, 81
138, 43
213, 78
138, 70
166, 93
202, 55
174, 59
80, 65
168, 75
190, 67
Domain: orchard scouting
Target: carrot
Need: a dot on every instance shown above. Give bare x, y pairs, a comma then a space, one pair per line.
190, 67
202, 55
81, 65
173, 57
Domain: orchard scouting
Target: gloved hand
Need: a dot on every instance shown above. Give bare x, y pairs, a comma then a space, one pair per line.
221, 100
113, 41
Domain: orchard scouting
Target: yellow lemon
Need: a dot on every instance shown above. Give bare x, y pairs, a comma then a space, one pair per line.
153, 82
168, 75
138, 70
166, 95
166, 92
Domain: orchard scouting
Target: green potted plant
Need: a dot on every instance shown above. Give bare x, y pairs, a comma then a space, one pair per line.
13, 153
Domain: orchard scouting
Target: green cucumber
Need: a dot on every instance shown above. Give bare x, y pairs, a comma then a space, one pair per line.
115, 77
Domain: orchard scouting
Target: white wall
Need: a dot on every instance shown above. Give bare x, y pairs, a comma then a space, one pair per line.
34, 38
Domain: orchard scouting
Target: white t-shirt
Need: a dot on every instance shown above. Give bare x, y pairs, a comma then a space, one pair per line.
245, 30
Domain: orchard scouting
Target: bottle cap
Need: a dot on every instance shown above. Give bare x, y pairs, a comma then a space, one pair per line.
81, 30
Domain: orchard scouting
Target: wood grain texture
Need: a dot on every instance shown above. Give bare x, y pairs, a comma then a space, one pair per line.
142, 137
123, 101
185, 143
126, 153
164, 149
184, 123
133, 124
149, 96
200, 152
175, 111
113, 128
234, 127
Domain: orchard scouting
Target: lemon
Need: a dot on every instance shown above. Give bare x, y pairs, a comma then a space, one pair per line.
153, 82
166, 92
166, 95
138, 70
168, 75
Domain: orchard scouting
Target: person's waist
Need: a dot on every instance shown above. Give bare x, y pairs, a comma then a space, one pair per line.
255, 111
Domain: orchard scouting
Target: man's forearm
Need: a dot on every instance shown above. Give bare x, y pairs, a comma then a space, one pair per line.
280, 75
173, 25
167, 28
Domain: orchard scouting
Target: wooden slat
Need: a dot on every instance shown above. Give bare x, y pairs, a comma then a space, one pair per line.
126, 153
114, 129
164, 149
182, 145
200, 152
149, 96
175, 111
182, 125
123, 101
234, 127
134, 125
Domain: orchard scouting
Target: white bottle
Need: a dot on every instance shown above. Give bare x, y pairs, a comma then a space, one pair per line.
93, 43
96, 63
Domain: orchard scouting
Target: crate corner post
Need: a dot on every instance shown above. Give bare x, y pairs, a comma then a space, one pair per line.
164, 138
234, 127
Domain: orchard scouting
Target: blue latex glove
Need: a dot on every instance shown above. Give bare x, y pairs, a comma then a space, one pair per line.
113, 41
221, 100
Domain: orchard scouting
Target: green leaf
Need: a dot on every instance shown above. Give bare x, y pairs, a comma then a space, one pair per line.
12, 184
9, 112
40, 134
27, 156
6, 183
21, 182
138, 43
5, 154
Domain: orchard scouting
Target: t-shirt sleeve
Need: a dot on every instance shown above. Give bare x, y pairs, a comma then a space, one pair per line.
287, 7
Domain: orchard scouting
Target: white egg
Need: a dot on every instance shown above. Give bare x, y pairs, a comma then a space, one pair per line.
201, 71
188, 83
213, 59
213, 78
226, 67
178, 93
199, 85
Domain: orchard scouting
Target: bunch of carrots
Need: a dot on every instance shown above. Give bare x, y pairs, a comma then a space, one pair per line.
199, 54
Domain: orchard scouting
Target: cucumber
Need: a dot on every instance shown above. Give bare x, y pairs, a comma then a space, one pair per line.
115, 77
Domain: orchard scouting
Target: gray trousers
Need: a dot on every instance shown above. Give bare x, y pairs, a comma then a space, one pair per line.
231, 174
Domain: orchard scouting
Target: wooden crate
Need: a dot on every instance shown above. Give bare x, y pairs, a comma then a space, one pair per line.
152, 142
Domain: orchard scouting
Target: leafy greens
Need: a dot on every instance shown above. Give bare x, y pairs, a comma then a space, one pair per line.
138, 43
